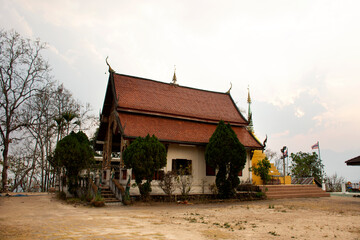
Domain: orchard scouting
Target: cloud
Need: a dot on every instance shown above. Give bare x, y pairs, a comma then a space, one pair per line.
68, 57
11, 18
281, 134
62, 13
299, 113
270, 118
300, 58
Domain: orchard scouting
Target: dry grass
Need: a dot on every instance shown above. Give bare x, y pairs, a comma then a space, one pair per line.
44, 217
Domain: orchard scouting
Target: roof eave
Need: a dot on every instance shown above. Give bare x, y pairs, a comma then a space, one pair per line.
178, 117
189, 143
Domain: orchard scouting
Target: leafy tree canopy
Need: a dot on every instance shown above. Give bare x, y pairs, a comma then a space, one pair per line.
306, 165
225, 152
74, 153
145, 156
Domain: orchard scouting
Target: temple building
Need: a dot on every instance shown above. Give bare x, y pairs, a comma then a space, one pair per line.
182, 118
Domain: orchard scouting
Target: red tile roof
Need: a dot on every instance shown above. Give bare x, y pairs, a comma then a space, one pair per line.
156, 97
176, 130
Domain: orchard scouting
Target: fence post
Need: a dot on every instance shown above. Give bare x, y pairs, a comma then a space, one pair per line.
343, 188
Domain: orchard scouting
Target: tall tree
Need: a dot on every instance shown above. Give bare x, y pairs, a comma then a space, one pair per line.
306, 165
22, 70
225, 153
145, 156
42, 129
68, 116
50, 113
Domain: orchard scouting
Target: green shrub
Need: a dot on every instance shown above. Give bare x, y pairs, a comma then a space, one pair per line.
98, 198
260, 195
262, 169
61, 195
184, 181
168, 183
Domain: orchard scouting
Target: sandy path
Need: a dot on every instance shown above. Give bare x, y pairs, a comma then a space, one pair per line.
44, 217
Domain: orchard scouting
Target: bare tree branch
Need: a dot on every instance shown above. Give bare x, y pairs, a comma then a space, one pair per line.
22, 71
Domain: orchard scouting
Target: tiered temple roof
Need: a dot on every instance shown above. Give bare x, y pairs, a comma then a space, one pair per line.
171, 112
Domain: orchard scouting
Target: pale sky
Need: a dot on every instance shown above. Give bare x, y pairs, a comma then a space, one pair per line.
300, 59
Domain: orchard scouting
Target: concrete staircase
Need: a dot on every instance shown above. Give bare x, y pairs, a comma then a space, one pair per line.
108, 195
293, 191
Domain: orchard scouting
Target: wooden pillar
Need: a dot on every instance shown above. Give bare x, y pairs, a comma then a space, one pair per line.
123, 144
107, 150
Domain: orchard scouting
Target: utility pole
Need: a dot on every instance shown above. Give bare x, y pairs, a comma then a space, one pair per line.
284, 152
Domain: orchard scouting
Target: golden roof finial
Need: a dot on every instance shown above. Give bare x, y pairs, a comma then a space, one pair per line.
249, 99
228, 91
110, 69
250, 126
174, 77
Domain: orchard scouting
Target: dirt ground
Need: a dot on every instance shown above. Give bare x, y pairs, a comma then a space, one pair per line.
45, 217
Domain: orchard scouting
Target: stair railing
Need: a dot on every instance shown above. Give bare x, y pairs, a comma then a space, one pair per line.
94, 189
117, 189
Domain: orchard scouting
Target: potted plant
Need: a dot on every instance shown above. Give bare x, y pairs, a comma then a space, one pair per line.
98, 201
127, 200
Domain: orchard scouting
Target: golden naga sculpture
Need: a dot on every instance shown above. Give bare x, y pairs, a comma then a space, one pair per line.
110, 69
228, 91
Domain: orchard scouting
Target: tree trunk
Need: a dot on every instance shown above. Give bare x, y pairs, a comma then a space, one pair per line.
5, 187
22, 178
30, 181
26, 172
42, 165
